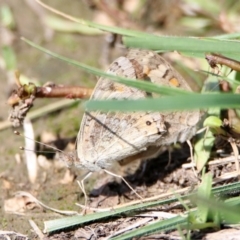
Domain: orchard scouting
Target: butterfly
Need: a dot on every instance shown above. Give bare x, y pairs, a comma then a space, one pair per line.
105, 137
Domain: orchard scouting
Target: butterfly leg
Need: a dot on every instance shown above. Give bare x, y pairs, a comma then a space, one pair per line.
118, 176
169, 149
81, 185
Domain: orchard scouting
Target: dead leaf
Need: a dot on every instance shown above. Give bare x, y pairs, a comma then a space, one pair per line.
19, 204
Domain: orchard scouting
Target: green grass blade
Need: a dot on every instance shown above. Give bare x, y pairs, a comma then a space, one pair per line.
170, 103
117, 30
228, 36
229, 213
159, 226
204, 190
57, 224
58, 24
234, 201
191, 45
143, 85
231, 188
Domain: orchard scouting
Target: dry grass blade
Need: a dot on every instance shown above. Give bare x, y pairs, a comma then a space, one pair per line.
69, 213
30, 155
36, 229
132, 226
145, 200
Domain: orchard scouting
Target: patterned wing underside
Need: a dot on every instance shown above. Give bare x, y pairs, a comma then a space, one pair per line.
181, 126
107, 137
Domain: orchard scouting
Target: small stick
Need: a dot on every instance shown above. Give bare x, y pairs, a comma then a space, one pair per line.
52, 91
214, 59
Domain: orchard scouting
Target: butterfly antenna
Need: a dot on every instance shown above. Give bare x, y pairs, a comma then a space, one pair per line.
44, 144
30, 150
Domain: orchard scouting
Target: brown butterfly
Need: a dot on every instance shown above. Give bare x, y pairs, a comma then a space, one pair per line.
105, 137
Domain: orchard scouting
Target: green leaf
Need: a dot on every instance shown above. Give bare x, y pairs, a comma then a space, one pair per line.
214, 124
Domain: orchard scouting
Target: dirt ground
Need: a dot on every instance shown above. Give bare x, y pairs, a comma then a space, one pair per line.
56, 186
35, 64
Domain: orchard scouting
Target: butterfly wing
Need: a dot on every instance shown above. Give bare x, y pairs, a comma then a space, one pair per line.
181, 126
105, 137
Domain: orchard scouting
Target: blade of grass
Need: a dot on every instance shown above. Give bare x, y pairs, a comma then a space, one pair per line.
227, 36
58, 24
234, 201
191, 45
117, 30
143, 85
159, 226
228, 189
170, 103
204, 190
57, 224
229, 214
187, 42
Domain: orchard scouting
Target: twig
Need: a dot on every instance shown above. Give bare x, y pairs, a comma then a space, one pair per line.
30, 196
50, 91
